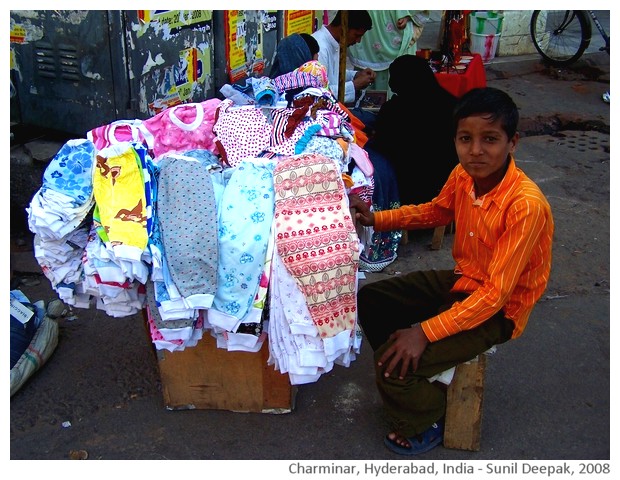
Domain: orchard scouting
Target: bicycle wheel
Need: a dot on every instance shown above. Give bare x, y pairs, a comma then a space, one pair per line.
560, 36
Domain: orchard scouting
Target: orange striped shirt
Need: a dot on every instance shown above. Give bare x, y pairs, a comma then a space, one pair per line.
502, 247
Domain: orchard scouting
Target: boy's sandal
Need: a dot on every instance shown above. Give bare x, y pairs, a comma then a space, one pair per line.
428, 440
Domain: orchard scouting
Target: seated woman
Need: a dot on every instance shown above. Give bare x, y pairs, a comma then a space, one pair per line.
398, 145
427, 107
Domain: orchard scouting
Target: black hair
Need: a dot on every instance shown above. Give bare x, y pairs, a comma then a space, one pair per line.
357, 20
313, 45
492, 101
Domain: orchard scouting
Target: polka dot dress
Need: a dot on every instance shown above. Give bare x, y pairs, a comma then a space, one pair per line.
187, 216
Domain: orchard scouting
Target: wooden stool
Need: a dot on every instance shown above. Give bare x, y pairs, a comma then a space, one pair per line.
464, 407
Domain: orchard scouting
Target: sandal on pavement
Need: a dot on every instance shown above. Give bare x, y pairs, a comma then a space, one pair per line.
428, 440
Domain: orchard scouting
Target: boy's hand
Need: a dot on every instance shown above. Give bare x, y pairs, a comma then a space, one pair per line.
407, 348
362, 212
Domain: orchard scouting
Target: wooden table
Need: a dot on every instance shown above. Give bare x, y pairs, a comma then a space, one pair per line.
460, 83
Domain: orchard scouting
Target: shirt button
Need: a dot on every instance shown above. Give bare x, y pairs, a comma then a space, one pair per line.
471, 234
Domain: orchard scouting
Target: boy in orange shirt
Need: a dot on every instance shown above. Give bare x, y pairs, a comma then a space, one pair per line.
502, 252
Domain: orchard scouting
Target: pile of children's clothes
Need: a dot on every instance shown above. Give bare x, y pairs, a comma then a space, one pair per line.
229, 216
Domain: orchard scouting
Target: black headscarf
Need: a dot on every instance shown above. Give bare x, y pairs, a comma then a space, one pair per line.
410, 75
313, 45
291, 52
414, 130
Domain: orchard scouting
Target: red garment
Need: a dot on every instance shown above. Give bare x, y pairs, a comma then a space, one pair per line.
316, 239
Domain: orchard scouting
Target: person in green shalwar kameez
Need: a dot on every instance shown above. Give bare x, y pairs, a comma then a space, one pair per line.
394, 33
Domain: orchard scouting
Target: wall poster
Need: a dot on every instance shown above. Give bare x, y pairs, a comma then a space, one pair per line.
298, 21
244, 43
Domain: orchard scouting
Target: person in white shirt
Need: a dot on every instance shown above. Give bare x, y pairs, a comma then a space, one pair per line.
328, 37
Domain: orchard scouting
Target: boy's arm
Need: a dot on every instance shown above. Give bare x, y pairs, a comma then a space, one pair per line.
412, 217
526, 228
437, 212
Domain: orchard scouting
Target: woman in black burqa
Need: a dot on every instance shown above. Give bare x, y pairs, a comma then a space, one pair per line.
412, 150
414, 130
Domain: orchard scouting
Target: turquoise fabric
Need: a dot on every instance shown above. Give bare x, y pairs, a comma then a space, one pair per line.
384, 42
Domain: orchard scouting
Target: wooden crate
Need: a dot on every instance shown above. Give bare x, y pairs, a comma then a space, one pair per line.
464, 407
207, 377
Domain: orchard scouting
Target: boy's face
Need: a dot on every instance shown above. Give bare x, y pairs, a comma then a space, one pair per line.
483, 147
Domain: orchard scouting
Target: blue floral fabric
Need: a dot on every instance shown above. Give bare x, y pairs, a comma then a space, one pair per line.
71, 171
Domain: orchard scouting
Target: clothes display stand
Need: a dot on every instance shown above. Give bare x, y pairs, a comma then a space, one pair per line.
227, 227
207, 377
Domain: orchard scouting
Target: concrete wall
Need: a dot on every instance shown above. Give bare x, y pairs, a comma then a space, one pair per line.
515, 37
515, 33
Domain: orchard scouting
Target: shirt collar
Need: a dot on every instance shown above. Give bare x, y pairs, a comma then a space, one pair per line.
496, 195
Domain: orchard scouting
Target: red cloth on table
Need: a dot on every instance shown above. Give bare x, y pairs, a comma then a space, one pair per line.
460, 83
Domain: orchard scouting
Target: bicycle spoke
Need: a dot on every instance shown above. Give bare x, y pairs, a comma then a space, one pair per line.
560, 36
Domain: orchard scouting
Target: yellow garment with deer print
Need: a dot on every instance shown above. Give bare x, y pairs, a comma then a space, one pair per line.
118, 188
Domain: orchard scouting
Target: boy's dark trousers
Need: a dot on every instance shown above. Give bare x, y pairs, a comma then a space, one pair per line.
413, 403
